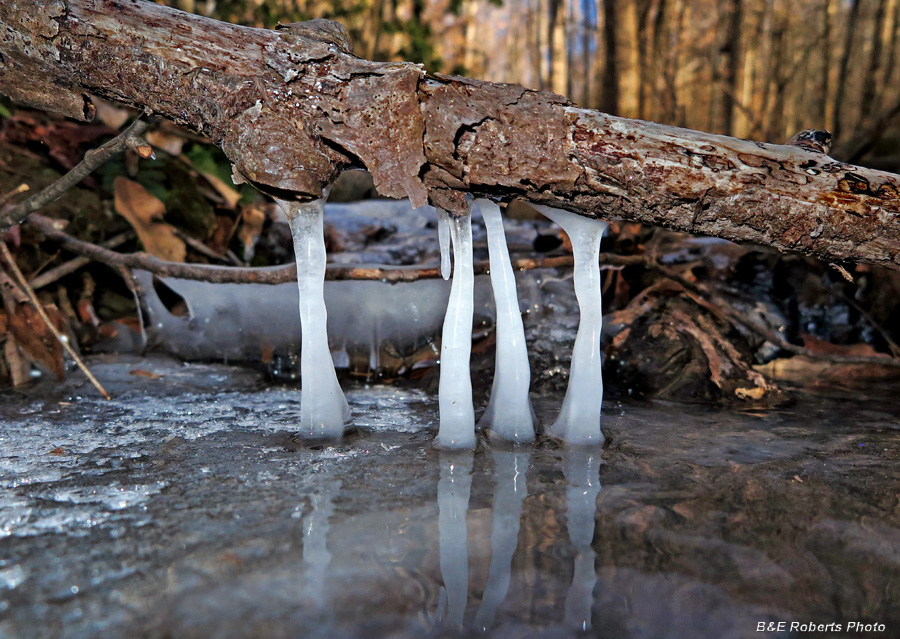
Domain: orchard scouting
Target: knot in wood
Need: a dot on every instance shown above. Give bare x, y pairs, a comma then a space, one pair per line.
812, 140
320, 29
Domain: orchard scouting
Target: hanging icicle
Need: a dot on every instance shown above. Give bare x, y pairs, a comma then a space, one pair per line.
444, 242
457, 415
579, 419
508, 414
324, 411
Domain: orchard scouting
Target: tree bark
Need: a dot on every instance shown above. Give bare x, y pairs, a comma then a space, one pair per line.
292, 108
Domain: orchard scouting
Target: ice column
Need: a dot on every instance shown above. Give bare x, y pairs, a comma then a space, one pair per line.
323, 410
509, 490
454, 488
509, 414
457, 416
579, 418
582, 472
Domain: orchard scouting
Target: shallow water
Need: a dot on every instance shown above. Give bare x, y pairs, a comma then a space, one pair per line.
183, 508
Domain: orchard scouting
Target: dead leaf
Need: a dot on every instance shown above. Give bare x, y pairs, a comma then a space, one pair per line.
111, 115
139, 372
230, 195
59, 450
145, 214
167, 142
36, 339
750, 393
252, 220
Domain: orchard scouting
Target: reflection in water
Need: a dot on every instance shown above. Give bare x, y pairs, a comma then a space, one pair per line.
453, 502
582, 472
316, 557
581, 469
509, 490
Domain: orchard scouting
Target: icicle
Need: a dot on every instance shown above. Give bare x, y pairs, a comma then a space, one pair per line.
323, 410
444, 241
582, 472
453, 491
457, 416
579, 419
510, 489
509, 414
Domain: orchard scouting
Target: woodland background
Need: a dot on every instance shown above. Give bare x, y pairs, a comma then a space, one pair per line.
758, 69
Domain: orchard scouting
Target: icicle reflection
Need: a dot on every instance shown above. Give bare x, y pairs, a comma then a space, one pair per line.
581, 470
453, 492
510, 488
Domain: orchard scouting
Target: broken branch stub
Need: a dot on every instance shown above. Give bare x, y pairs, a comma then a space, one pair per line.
292, 108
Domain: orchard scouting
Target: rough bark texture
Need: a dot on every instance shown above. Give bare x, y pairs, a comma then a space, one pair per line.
292, 110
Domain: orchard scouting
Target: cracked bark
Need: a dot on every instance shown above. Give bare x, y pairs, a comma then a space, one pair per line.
292, 109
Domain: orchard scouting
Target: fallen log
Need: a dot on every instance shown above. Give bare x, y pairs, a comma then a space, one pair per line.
293, 107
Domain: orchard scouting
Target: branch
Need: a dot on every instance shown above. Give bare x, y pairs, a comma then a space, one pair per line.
293, 108
93, 160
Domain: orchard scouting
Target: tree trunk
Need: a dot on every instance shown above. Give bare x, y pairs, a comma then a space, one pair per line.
291, 109
610, 88
870, 83
840, 93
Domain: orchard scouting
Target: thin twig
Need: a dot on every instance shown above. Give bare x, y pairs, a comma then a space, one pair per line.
204, 250
7, 256
66, 268
93, 160
7, 196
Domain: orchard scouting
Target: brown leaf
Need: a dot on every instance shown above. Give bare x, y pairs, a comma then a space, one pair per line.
36, 339
59, 450
230, 195
252, 220
167, 142
139, 372
145, 213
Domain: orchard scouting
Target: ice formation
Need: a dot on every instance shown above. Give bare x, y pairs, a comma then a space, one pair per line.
508, 414
510, 490
444, 241
453, 491
457, 415
582, 470
579, 418
323, 410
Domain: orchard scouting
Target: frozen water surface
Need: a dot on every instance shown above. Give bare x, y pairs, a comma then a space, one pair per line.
185, 508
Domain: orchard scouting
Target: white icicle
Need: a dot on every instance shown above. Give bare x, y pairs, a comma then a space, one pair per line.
508, 414
323, 409
579, 418
510, 489
453, 491
457, 416
582, 472
444, 242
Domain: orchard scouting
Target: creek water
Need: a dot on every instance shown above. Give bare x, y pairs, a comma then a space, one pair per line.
185, 508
